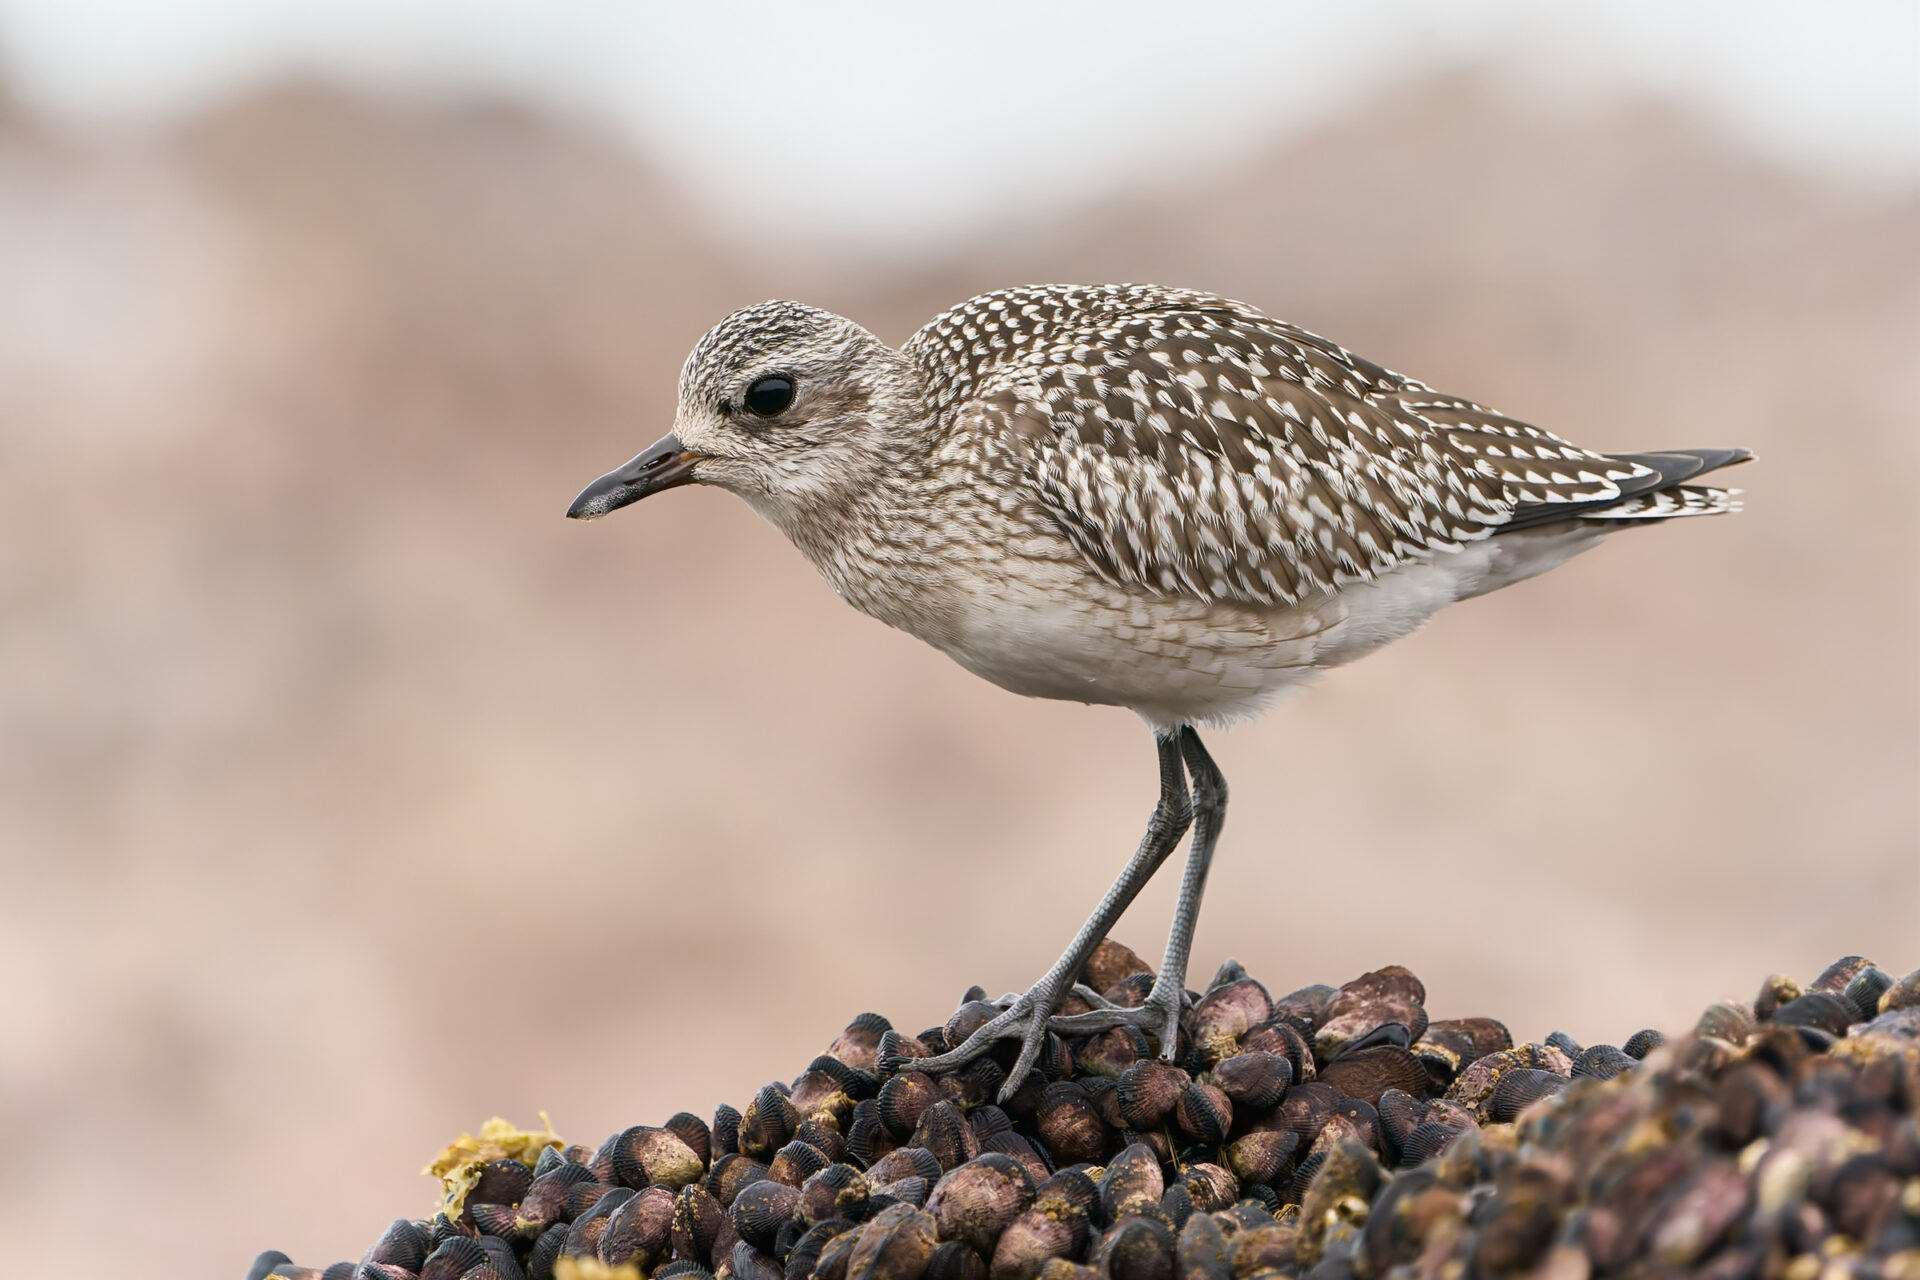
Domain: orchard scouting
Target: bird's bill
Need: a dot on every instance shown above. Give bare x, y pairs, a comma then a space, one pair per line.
664, 465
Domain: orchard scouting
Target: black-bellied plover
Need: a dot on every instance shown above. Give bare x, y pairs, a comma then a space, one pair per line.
1140, 497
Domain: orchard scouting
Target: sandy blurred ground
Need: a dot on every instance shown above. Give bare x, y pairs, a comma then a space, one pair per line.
349, 795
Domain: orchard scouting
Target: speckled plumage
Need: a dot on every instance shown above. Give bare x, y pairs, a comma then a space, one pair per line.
1148, 497
1137, 496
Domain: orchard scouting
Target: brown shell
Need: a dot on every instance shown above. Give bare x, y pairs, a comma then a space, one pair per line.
761, 1209
1132, 1183
696, 1220
1209, 1186
1306, 1110
639, 1230
904, 1162
1373, 999
1265, 1155
804, 1258
1280, 1037
768, 1123
1201, 1252
903, 1100
823, 1137
1224, 1015
1368, 1073
1519, 1089
1070, 1124
1137, 1249
895, 1245
1111, 963
729, 1174
837, 1191
1112, 1051
1349, 1174
1834, 978
946, 1134
955, 1260
1204, 1113
1474, 1086
794, 1163
1148, 1092
1253, 1082
969, 1018
978, 1200
859, 1045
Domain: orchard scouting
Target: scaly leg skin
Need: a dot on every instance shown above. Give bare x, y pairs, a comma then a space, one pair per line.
1026, 1018
1159, 1014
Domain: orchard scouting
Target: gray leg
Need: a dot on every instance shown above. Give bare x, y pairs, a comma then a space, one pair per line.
1159, 1015
1027, 1017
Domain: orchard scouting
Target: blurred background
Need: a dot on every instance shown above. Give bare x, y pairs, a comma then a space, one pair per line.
349, 795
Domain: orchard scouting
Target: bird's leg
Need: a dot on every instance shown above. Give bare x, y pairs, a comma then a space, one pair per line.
1159, 1014
1027, 1017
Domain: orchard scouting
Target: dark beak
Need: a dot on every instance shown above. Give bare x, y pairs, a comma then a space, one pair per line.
662, 466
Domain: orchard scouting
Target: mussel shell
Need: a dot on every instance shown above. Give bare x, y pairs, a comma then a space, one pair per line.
1306, 1007
1148, 1092
1601, 1062
1137, 1248
1367, 1073
1863, 993
1306, 1110
639, 1230
895, 1245
859, 1045
1830, 1013
1519, 1089
978, 1200
1070, 1124
1264, 1155
837, 1191
834, 1255
794, 1163
726, 1131
969, 1018
644, 1156
955, 1260
546, 1250
402, 1244
693, 1131
822, 1137
1223, 1015
1204, 1113
759, 1210
806, 1251
1643, 1042
682, 1269
1201, 1252
452, 1259
903, 1100
696, 1221
749, 1263
768, 1123
1426, 1141
1210, 1187
1834, 978
729, 1174
1400, 1114
1019, 1148
1564, 1043
1391, 994
944, 1132
1904, 994
1111, 1052
1726, 1020
904, 1162
1254, 1082
1281, 1038
1132, 1183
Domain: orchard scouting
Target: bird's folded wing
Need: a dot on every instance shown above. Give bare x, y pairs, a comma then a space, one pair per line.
1211, 451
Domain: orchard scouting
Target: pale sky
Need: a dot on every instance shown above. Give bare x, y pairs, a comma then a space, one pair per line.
878, 123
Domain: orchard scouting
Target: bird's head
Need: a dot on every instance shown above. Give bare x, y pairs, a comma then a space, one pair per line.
789, 406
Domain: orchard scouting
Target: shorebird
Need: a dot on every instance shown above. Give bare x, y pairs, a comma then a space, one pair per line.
1141, 497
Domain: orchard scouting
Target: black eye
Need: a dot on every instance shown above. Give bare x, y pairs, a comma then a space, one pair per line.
769, 396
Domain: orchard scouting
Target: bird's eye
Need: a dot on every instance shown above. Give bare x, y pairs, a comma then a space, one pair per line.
769, 396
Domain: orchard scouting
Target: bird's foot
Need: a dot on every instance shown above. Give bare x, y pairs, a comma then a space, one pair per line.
1157, 1016
1025, 1017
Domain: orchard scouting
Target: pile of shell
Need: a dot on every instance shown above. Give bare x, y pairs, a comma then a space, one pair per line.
1329, 1133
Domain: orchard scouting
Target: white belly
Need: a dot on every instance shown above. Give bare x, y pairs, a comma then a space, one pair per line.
1179, 661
